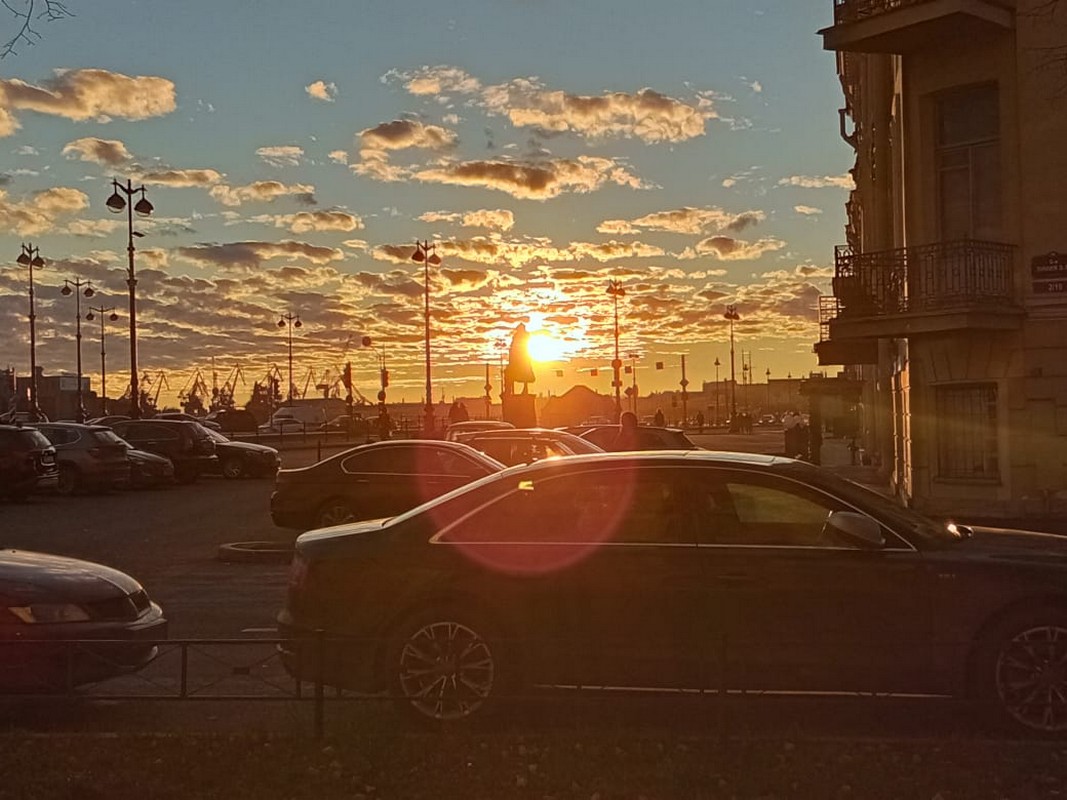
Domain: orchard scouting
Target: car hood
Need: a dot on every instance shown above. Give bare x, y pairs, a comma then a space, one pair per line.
247, 447
28, 577
321, 540
1015, 545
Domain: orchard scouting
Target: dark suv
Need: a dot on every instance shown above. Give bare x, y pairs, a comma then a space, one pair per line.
90, 457
27, 462
186, 444
234, 420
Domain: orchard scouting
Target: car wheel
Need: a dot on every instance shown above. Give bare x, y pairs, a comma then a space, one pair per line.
444, 666
334, 512
69, 481
1023, 672
233, 468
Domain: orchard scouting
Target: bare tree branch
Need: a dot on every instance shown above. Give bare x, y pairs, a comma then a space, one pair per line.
27, 13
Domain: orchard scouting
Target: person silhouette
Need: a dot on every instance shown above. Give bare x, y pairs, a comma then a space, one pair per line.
628, 437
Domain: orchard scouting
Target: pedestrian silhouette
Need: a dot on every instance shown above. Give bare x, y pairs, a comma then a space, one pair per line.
627, 438
658, 419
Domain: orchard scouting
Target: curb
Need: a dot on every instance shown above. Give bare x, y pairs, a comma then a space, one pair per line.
255, 553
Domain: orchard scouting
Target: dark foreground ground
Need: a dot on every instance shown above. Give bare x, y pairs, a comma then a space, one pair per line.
617, 765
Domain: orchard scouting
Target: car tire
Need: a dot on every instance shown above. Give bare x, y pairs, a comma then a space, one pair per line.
445, 665
69, 480
234, 468
1021, 672
334, 512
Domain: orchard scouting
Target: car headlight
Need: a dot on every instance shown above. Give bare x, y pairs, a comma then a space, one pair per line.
44, 613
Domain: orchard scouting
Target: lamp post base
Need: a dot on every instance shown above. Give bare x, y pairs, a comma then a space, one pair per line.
519, 410
429, 429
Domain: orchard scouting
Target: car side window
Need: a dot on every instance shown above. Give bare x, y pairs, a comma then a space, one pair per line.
388, 460
455, 464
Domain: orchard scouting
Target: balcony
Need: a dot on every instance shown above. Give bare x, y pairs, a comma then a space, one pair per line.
840, 350
949, 286
901, 26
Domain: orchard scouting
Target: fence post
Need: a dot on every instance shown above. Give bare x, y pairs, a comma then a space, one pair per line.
724, 713
320, 662
184, 691
318, 449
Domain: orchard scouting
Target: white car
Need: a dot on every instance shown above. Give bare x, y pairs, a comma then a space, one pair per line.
285, 425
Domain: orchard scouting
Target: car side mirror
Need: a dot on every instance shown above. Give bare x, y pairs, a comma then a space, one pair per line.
856, 529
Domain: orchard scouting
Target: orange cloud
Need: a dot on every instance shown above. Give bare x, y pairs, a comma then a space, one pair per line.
263, 192
495, 219
38, 214
685, 220
252, 254
540, 180
321, 90
110, 152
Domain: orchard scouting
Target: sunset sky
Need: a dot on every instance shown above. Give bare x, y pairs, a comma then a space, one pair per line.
294, 151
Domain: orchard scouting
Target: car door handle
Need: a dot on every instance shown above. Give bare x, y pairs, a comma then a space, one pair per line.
733, 578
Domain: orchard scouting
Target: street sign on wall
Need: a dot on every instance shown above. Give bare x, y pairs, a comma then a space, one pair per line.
1048, 273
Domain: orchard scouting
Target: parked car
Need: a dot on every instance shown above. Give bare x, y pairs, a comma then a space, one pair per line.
241, 459
650, 437
210, 424
683, 570
234, 420
351, 426
27, 462
110, 418
373, 480
148, 470
523, 445
90, 457
188, 446
457, 429
283, 425
48, 597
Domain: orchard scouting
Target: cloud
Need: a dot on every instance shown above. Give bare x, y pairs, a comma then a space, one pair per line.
262, 192
86, 94
94, 228
435, 80
321, 90
819, 182
534, 180
308, 221
38, 214
377, 143
494, 250
181, 178
285, 155
110, 152
646, 115
807, 211
726, 248
252, 254
338, 156
499, 219
685, 220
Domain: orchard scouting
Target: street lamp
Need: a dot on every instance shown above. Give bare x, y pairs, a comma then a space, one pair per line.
426, 254
293, 321
717, 365
31, 257
616, 291
383, 376
116, 203
633, 382
74, 286
732, 315
105, 313
768, 374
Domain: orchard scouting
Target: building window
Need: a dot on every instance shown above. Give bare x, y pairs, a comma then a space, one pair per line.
967, 431
968, 164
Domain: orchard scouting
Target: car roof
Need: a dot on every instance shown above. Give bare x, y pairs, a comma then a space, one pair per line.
392, 444
75, 425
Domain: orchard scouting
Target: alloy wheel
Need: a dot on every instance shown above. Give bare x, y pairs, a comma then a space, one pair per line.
336, 513
1031, 678
446, 670
233, 468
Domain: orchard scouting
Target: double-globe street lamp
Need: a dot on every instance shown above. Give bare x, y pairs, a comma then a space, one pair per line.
426, 254
717, 387
116, 203
732, 315
105, 314
616, 291
73, 286
30, 257
293, 321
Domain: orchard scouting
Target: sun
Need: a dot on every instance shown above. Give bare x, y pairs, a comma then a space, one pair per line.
543, 347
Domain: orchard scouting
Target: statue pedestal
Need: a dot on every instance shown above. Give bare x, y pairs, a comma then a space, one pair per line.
519, 410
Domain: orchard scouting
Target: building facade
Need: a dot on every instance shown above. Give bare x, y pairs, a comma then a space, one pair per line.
950, 296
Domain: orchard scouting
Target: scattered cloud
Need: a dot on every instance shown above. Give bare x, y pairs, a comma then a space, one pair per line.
252, 254
308, 221
843, 181
685, 220
338, 156
86, 94
540, 180
109, 152
727, 248
180, 178
40, 211
285, 155
498, 219
262, 192
807, 211
377, 143
437, 80
321, 90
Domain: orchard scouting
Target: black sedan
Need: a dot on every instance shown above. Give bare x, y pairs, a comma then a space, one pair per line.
523, 445
649, 437
45, 598
373, 480
682, 570
241, 459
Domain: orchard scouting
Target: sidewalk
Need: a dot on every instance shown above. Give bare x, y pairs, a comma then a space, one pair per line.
837, 458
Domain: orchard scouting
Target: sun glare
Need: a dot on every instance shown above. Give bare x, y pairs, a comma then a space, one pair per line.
543, 347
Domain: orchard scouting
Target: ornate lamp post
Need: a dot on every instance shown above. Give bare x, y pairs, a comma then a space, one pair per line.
426, 254
717, 365
105, 313
30, 257
732, 315
116, 203
74, 286
768, 374
293, 321
616, 291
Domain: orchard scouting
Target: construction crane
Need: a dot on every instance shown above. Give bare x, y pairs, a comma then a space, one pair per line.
229, 388
195, 386
307, 382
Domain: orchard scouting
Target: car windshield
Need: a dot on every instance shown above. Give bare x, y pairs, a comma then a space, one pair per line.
107, 437
34, 438
213, 434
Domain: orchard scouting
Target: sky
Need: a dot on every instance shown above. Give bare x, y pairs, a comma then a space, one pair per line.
294, 153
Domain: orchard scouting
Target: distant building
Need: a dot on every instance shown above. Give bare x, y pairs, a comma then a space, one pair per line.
577, 405
950, 300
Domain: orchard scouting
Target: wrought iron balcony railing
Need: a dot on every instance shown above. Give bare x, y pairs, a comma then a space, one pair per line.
936, 277
852, 10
